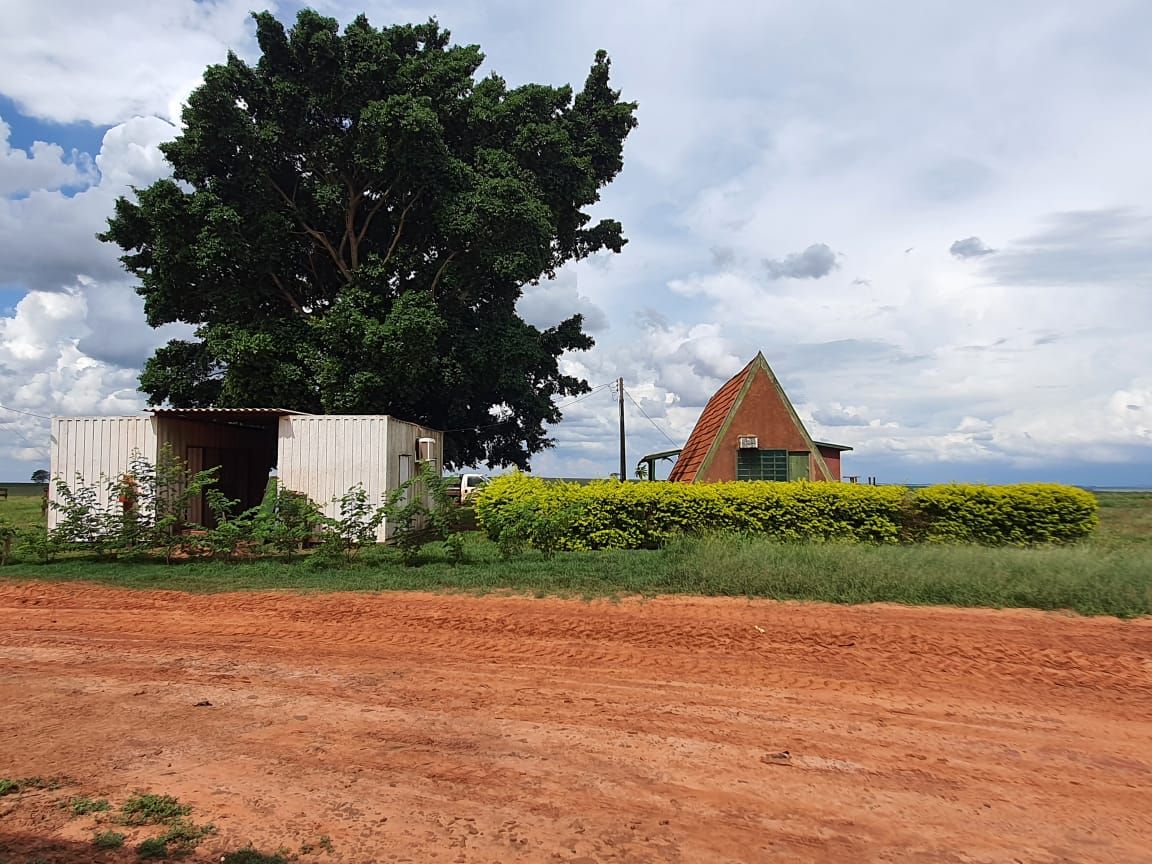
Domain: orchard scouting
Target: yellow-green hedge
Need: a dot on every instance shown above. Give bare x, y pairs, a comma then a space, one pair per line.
1020, 515
612, 515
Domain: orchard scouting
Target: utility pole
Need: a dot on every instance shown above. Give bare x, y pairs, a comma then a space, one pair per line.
623, 457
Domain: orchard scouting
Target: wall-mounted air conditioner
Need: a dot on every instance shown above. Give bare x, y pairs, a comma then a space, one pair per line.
426, 449
749, 442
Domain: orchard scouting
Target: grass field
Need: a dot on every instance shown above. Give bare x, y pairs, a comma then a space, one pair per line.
1109, 574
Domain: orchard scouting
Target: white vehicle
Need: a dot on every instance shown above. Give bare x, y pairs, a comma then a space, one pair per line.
465, 485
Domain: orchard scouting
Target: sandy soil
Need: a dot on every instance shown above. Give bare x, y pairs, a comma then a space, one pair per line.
456, 729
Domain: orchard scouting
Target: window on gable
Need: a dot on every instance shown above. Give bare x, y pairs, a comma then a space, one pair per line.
762, 465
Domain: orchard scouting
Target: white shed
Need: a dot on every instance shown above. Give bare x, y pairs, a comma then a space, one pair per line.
321, 456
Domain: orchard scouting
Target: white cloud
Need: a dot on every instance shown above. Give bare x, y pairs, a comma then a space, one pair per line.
70, 61
749, 140
552, 301
815, 262
42, 166
74, 342
970, 247
48, 238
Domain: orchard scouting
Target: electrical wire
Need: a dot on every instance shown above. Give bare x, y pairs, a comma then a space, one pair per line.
649, 419
25, 413
9, 427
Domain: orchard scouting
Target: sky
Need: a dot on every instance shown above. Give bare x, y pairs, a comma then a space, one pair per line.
934, 219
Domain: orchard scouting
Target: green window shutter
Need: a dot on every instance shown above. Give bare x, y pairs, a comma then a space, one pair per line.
762, 465
799, 466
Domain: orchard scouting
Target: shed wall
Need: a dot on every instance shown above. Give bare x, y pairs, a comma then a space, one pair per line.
244, 456
832, 460
325, 456
764, 414
96, 447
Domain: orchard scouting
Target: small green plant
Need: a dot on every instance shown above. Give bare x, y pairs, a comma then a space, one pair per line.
323, 843
248, 855
8, 535
183, 836
153, 848
454, 546
108, 840
8, 787
82, 805
354, 528
144, 808
179, 839
38, 782
39, 544
286, 521
231, 531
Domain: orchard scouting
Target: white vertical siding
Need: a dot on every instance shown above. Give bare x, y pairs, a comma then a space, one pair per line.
325, 456
403, 443
95, 448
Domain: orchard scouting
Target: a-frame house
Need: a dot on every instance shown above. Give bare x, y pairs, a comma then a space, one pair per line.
750, 431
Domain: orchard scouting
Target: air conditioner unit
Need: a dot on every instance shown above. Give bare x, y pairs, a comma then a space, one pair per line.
749, 442
426, 450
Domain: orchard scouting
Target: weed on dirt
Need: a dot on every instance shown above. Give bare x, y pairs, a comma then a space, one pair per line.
251, 856
323, 844
108, 840
144, 808
9, 786
82, 805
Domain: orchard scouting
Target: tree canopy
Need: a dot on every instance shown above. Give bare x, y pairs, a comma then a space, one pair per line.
351, 221
40, 475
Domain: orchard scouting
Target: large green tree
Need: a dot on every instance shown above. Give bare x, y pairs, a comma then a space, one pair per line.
351, 221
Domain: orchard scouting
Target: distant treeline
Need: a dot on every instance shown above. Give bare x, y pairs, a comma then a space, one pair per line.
24, 489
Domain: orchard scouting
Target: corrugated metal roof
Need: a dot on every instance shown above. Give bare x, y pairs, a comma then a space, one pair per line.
831, 446
707, 427
218, 412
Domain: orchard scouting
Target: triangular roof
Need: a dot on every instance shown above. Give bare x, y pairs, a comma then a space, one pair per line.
704, 441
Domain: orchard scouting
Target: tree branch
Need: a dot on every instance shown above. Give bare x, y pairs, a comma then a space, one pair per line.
292, 301
319, 236
400, 226
372, 212
440, 271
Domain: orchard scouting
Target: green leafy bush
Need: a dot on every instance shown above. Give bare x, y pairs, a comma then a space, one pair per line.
286, 521
108, 840
1019, 515
8, 534
517, 509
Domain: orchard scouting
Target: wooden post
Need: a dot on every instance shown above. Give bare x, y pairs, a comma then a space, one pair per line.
623, 456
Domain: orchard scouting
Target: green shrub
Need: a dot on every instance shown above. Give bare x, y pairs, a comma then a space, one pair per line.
517, 509
8, 534
144, 808
108, 840
1020, 515
81, 805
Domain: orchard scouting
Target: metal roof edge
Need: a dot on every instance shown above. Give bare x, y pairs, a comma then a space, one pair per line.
832, 446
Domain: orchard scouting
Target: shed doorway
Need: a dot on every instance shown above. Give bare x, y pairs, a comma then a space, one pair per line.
240, 444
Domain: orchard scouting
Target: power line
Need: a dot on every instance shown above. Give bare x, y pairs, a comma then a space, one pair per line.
649, 419
25, 413
8, 426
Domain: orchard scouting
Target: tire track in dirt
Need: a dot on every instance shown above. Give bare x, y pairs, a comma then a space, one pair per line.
453, 728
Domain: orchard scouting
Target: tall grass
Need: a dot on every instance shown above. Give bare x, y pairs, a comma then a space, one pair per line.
1108, 575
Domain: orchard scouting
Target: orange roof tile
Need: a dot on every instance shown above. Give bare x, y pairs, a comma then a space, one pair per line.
707, 427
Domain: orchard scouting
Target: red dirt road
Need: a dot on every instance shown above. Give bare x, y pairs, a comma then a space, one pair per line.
455, 729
